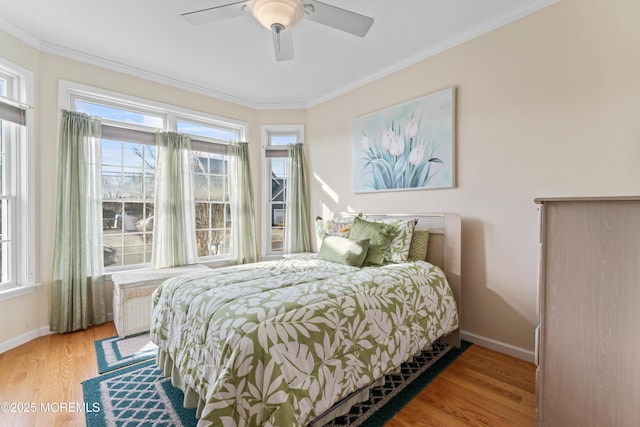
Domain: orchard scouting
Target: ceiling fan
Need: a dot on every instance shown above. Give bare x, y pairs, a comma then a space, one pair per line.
279, 16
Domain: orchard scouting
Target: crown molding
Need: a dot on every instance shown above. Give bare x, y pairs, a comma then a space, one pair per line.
20, 34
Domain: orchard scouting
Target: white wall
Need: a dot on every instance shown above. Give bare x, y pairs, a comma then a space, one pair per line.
546, 106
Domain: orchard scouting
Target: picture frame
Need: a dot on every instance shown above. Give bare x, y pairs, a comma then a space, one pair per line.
409, 146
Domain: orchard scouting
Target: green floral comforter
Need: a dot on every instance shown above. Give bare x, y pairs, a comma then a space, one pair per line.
278, 343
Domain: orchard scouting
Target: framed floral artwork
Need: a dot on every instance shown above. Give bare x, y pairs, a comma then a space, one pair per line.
409, 146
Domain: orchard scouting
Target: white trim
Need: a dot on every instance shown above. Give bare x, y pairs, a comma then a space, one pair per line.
66, 88
508, 349
24, 338
16, 291
20, 34
23, 177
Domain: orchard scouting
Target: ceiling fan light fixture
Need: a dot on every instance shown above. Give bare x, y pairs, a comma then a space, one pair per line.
286, 13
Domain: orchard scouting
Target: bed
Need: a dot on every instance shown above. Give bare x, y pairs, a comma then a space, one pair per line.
279, 343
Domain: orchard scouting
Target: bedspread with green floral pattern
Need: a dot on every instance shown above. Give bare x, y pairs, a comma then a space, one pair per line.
278, 343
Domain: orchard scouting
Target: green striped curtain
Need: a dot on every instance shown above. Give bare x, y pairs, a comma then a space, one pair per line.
174, 238
78, 288
296, 224
243, 229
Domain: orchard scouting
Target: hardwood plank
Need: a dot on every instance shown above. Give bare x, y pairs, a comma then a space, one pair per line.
46, 372
481, 388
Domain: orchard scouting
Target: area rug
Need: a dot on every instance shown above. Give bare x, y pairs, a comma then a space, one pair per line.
115, 353
140, 395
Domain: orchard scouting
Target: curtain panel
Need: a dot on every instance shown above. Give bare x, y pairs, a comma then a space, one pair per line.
243, 232
78, 288
297, 224
174, 236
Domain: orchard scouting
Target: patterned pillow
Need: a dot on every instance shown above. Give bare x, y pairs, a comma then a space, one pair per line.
379, 236
419, 244
398, 250
332, 227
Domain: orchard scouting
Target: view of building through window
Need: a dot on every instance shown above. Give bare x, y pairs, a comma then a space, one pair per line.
277, 165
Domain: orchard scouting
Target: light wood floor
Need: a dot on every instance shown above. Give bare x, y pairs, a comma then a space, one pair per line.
481, 388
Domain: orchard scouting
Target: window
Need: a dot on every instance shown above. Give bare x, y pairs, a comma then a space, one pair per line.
17, 248
276, 165
128, 173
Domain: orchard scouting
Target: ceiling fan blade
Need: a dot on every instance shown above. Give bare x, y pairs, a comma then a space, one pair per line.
205, 11
283, 44
335, 17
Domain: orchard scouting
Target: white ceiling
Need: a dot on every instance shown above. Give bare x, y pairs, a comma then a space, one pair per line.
234, 59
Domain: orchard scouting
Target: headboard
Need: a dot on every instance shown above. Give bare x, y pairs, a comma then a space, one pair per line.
445, 247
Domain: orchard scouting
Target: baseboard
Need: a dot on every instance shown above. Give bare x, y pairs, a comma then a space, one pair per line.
24, 338
32, 335
501, 347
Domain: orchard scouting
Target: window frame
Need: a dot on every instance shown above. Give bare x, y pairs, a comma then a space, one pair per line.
69, 92
270, 151
22, 264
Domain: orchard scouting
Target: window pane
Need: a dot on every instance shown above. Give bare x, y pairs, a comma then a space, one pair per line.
277, 239
202, 216
3, 190
4, 211
111, 217
201, 186
127, 186
132, 155
218, 188
119, 114
150, 157
149, 185
111, 152
283, 138
218, 164
218, 212
207, 131
111, 182
203, 243
219, 244
4, 253
201, 163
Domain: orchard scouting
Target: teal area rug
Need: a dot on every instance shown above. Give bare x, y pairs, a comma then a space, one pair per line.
136, 396
115, 353
140, 395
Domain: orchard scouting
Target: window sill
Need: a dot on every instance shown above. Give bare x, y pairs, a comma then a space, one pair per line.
16, 291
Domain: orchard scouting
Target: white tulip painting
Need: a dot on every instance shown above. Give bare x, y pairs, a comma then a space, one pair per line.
406, 147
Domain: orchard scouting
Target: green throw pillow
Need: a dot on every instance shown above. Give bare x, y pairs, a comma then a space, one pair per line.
379, 235
419, 244
343, 251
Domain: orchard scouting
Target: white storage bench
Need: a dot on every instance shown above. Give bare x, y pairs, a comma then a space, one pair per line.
132, 296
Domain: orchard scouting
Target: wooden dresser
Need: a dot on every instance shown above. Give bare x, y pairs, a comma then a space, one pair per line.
588, 341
